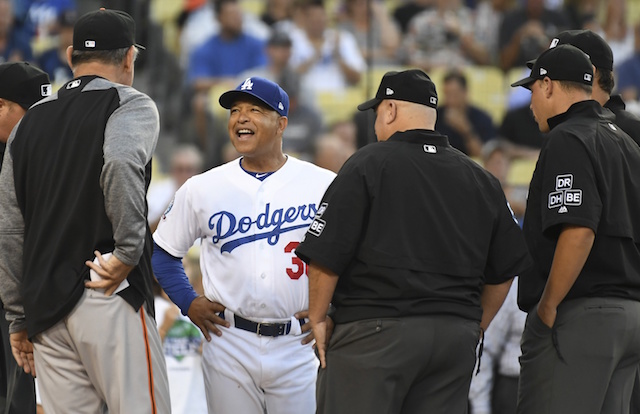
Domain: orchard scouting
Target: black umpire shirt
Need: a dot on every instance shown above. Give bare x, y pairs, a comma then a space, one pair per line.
587, 175
629, 122
412, 226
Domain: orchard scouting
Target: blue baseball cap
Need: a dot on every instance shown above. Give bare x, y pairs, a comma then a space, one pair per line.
268, 92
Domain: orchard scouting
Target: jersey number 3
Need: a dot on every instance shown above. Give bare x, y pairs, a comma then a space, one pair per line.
299, 267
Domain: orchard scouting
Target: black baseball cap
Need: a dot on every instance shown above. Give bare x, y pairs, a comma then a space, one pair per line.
561, 63
104, 30
590, 43
263, 89
411, 85
23, 84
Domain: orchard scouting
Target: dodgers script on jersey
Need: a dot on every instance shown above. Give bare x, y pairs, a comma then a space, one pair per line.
249, 230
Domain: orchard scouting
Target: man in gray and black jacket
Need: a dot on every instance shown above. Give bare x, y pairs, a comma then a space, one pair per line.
75, 241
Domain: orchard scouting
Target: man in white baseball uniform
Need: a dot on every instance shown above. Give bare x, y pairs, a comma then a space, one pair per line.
249, 214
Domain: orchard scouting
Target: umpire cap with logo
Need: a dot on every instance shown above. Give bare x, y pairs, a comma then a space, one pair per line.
561, 63
104, 30
410, 85
590, 43
266, 91
23, 84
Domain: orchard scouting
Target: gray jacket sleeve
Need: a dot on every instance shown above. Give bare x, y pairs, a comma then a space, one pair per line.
130, 139
11, 244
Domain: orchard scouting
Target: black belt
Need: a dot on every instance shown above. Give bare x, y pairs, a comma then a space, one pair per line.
264, 328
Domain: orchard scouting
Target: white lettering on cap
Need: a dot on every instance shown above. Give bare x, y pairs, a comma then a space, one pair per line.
45, 89
389, 91
433, 100
90, 43
280, 106
587, 77
554, 43
543, 71
247, 85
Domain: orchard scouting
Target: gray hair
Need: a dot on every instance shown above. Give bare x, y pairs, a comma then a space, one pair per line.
110, 57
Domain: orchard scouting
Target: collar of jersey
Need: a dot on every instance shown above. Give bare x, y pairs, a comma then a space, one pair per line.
259, 175
420, 136
588, 108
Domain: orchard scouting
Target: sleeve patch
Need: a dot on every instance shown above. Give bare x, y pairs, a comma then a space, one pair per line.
564, 194
317, 226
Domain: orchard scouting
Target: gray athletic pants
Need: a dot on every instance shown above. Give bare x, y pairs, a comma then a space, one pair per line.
586, 364
104, 357
399, 366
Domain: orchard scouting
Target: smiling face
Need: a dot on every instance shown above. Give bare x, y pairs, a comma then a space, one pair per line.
255, 129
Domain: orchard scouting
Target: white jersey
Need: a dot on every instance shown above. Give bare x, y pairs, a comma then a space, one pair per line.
248, 230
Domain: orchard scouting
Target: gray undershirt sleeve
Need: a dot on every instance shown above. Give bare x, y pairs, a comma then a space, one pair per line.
11, 244
130, 138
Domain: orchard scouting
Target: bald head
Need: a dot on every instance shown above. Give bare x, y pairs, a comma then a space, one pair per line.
396, 116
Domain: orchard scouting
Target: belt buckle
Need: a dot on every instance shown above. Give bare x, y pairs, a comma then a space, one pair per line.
273, 329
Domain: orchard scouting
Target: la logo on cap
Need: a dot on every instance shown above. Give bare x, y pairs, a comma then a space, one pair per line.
247, 85
389, 91
90, 43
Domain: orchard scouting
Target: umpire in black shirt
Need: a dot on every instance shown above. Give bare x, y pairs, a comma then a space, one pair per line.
601, 57
411, 243
581, 343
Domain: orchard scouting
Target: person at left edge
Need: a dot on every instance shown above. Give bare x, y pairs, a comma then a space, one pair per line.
73, 187
21, 85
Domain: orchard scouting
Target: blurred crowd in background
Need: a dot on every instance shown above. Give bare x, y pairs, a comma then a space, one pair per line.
330, 56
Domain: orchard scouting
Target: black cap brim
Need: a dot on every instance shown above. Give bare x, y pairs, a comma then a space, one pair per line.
526, 82
228, 98
372, 103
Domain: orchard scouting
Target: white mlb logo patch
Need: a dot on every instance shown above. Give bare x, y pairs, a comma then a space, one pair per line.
45, 89
74, 84
317, 226
430, 149
90, 43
